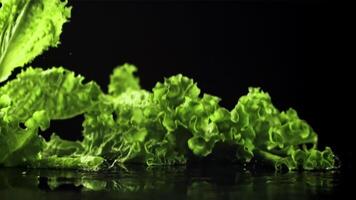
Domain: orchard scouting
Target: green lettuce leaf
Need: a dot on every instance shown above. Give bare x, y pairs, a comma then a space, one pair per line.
57, 90
27, 28
281, 138
64, 154
19, 145
29, 102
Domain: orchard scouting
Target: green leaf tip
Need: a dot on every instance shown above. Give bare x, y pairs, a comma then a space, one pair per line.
27, 29
123, 79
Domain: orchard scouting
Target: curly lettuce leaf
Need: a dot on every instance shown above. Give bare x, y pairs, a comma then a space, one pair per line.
201, 119
173, 91
27, 28
155, 127
129, 131
129, 127
159, 128
279, 137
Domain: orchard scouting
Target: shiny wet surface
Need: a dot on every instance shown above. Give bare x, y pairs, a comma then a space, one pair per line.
200, 182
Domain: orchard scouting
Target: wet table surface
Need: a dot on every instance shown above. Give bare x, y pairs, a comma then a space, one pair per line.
200, 182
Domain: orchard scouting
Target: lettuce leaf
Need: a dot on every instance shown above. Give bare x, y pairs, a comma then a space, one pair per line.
57, 90
30, 101
27, 28
279, 137
20, 145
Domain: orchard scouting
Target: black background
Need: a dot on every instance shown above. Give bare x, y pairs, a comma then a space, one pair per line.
296, 51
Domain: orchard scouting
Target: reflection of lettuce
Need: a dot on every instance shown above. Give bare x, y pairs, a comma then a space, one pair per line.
217, 182
159, 127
